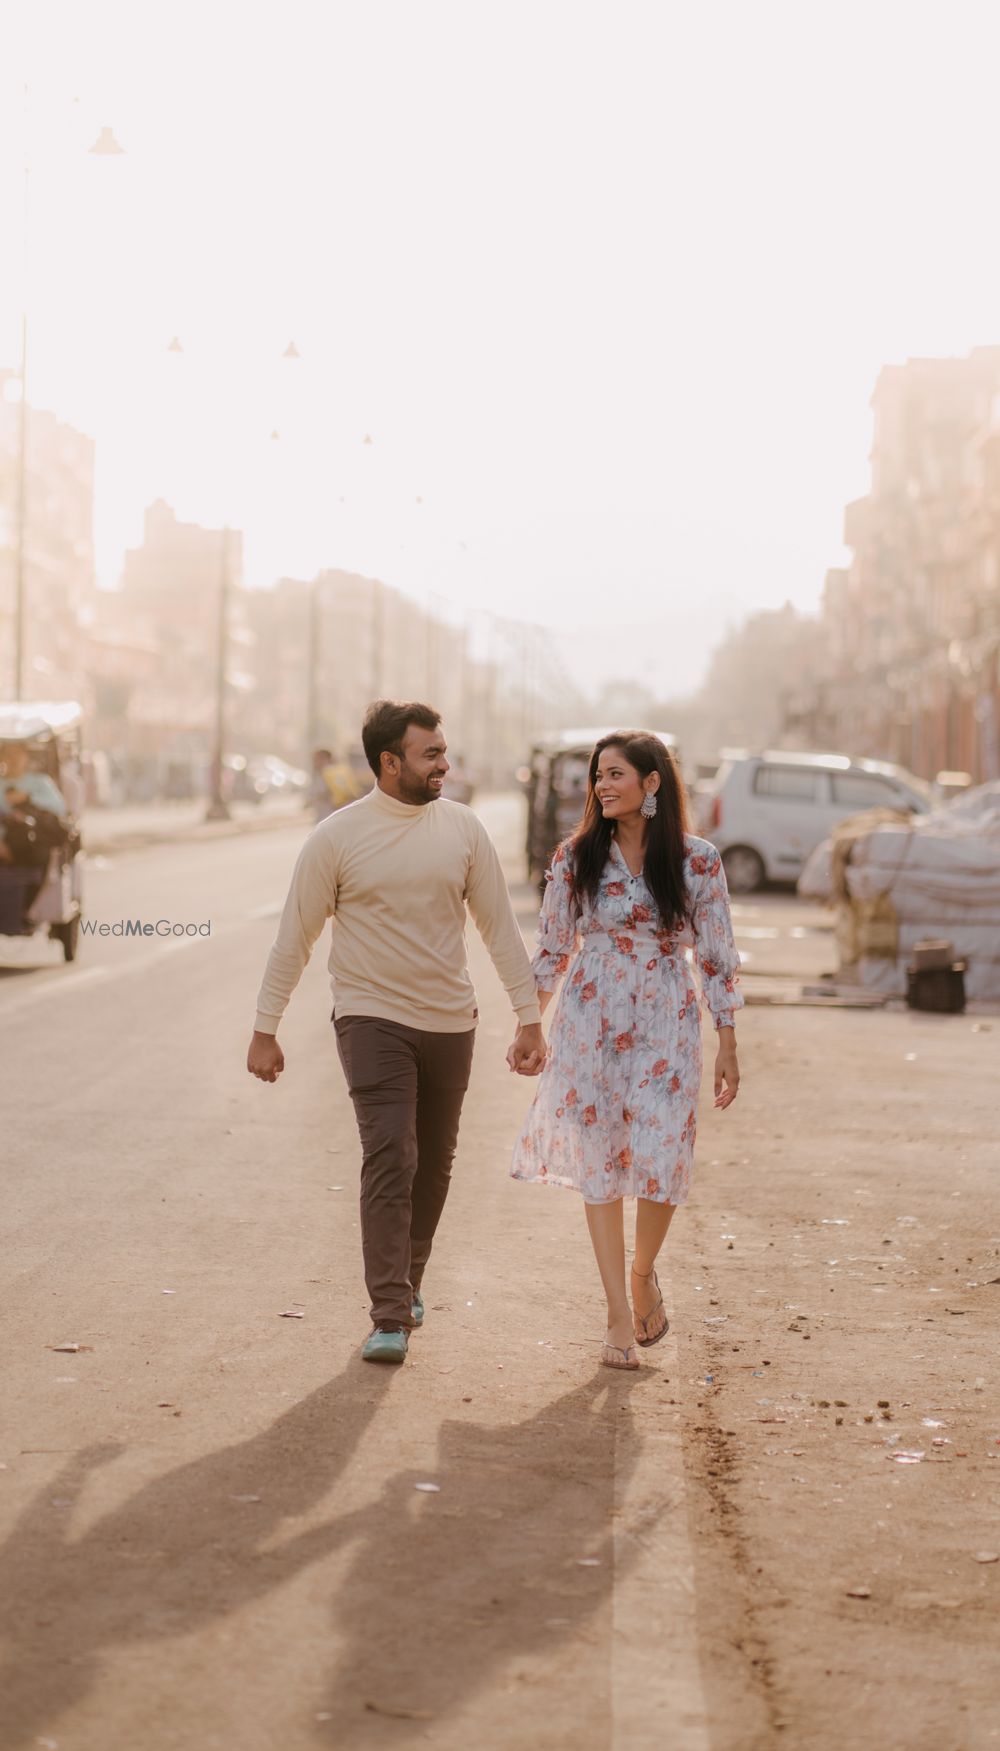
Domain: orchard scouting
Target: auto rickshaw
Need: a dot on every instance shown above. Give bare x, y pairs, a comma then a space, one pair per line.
40, 875
556, 786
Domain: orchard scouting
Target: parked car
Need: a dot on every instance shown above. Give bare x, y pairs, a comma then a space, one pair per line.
556, 787
243, 780
281, 777
766, 813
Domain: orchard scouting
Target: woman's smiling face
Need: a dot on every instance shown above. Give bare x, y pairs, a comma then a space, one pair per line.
618, 784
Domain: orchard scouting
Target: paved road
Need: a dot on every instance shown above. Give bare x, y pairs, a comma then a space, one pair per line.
212, 1530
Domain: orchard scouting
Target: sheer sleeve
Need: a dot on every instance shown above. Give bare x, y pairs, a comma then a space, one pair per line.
557, 928
714, 946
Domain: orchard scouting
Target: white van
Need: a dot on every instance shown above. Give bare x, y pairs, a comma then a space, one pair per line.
766, 813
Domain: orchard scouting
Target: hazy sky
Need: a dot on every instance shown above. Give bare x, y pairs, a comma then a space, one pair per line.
607, 284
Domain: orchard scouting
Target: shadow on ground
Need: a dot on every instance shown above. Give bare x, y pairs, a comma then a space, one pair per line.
457, 1582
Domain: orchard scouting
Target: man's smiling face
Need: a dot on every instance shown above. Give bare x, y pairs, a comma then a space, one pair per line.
423, 767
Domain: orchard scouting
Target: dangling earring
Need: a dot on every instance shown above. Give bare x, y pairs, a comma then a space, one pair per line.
648, 808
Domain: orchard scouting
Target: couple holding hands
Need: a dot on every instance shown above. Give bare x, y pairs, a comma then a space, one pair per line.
615, 1111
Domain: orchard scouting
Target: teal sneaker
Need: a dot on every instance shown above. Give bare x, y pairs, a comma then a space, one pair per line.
417, 1307
384, 1346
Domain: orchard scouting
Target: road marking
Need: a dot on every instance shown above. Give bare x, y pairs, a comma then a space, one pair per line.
657, 1691
75, 980
71, 981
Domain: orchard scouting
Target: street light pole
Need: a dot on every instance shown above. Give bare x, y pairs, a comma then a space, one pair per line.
218, 808
313, 634
22, 514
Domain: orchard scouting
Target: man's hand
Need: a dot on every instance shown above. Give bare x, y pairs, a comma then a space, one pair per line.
727, 1070
528, 1053
265, 1057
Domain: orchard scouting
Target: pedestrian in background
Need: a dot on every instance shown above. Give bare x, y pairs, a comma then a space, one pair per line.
615, 1111
396, 871
320, 785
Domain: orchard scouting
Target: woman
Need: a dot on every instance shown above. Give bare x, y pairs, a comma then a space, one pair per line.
614, 1115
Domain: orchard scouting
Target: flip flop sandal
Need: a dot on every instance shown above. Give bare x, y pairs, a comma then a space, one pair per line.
645, 1342
610, 1351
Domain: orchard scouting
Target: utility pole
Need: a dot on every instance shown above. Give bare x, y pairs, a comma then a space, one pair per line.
218, 808
22, 516
313, 625
378, 638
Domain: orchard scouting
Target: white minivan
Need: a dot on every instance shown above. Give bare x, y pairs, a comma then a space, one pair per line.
766, 813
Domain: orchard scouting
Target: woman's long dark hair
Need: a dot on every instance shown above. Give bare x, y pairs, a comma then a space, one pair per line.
663, 864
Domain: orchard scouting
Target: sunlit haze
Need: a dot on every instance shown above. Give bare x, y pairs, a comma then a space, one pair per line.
608, 287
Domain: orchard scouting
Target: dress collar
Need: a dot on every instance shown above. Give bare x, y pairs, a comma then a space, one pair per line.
619, 856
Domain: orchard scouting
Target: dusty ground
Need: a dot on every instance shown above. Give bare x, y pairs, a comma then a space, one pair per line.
212, 1534
860, 1291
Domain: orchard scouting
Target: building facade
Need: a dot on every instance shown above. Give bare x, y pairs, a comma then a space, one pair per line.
58, 548
913, 625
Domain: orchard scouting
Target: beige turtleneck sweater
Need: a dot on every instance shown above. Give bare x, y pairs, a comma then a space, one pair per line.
396, 881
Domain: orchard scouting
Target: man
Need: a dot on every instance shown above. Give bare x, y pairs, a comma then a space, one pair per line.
395, 871
21, 786
28, 801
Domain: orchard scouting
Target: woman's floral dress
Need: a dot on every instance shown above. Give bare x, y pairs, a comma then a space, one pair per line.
614, 1114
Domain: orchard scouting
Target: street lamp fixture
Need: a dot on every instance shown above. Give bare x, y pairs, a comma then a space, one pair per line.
291, 351
175, 346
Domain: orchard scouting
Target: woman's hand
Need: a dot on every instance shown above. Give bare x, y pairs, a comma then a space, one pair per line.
727, 1070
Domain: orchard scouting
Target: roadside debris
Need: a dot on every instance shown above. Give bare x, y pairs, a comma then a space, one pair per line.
396, 1714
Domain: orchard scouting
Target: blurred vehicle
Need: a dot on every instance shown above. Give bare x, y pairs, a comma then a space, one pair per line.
281, 777
243, 781
44, 792
555, 782
766, 813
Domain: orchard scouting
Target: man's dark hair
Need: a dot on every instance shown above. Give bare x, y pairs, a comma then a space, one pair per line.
386, 723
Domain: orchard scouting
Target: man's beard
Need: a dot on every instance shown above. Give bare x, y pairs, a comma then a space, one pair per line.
416, 790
